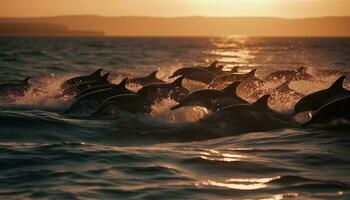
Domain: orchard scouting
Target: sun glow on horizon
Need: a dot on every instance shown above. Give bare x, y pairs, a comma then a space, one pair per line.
169, 8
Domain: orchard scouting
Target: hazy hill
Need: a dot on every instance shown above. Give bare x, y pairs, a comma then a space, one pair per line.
31, 29
199, 26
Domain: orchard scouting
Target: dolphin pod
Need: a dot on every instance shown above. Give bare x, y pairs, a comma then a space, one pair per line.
96, 96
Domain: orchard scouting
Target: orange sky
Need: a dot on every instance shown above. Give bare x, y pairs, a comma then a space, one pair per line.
278, 8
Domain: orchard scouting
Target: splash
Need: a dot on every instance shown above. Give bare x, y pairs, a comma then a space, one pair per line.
44, 94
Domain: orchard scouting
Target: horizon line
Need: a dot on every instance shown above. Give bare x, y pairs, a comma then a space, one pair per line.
175, 17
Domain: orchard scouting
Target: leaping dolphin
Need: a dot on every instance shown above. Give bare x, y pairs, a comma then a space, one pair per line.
125, 103
211, 99
338, 109
81, 86
90, 102
80, 79
230, 78
316, 100
247, 118
296, 74
15, 88
150, 79
156, 92
195, 73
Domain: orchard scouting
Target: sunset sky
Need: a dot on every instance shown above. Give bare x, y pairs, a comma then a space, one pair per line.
277, 8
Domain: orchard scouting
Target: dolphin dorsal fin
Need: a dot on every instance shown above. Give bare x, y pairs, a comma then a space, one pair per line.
231, 90
262, 102
153, 74
284, 85
97, 73
123, 82
338, 84
251, 74
25, 81
105, 77
213, 65
220, 67
178, 81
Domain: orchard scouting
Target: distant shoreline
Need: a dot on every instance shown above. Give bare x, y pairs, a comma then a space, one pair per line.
193, 26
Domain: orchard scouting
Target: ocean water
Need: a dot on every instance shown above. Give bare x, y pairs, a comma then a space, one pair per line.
165, 155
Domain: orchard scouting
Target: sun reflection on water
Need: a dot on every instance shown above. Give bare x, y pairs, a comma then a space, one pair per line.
215, 155
241, 184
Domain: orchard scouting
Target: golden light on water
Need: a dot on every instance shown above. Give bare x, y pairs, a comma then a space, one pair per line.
214, 155
241, 184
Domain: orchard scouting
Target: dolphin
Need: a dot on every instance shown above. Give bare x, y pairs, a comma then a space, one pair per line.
94, 88
80, 79
151, 78
338, 109
81, 86
230, 78
195, 73
15, 88
158, 91
211, 99
296, 74
125, 103
241, 118
316, 100
92, 101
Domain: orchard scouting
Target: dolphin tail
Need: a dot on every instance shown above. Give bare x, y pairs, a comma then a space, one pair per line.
97, 73
178, 81
338, 84
231, 90
26, 80
262, 102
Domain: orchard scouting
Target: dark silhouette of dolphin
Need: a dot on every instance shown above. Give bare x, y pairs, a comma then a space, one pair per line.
159, 91
212, 99
146, 80
121, 104
338, 109
230, 78
318, 99
243, 118
195, 73
95, 99
296, 74
81, 86
15, 89
142, 101
81, 79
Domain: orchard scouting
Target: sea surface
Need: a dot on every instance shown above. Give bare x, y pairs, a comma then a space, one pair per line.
47, 155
